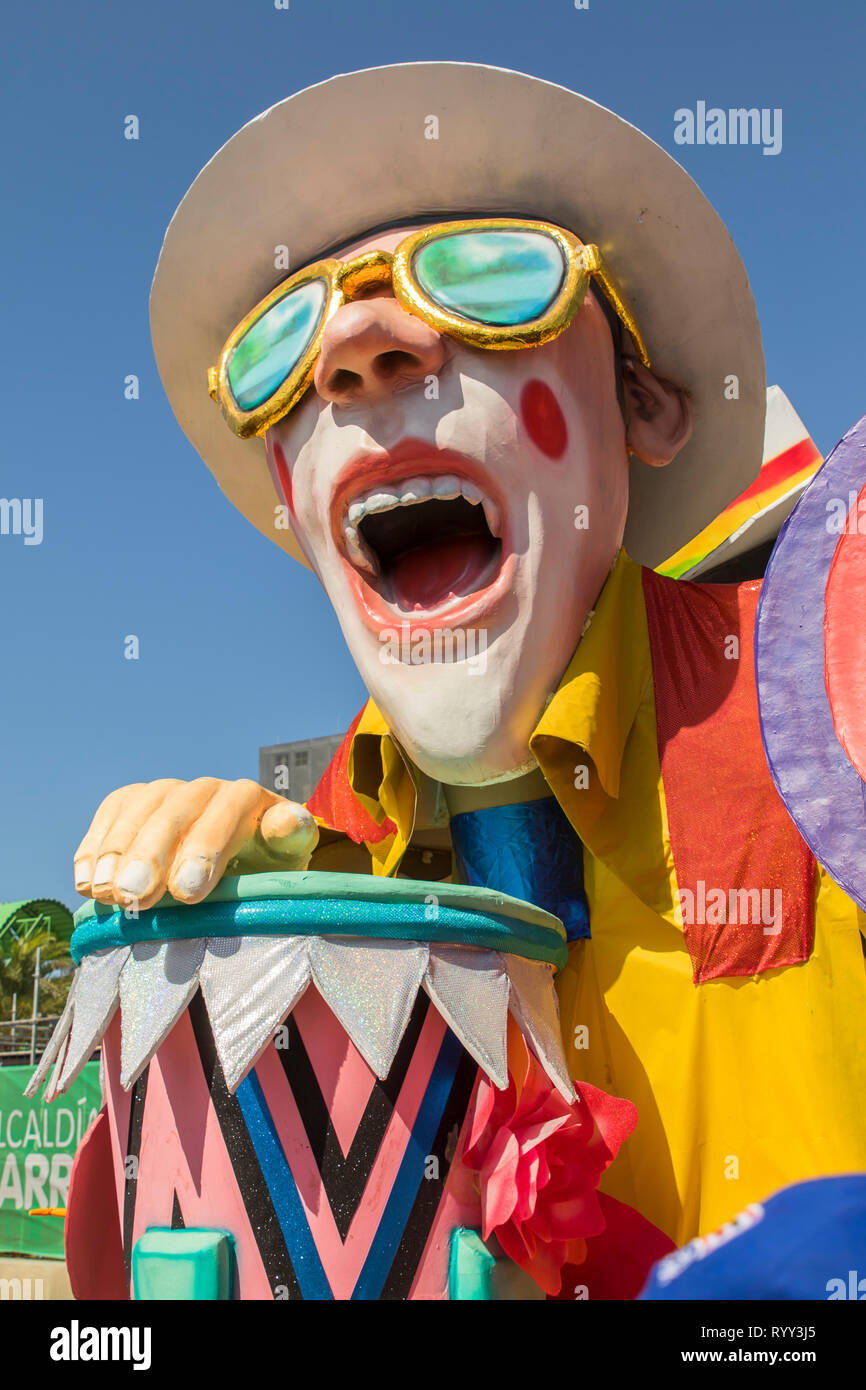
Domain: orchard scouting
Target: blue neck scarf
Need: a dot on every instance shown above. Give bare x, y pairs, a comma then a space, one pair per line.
529, 850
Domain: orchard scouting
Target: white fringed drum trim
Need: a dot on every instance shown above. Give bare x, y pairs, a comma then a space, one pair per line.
251, 984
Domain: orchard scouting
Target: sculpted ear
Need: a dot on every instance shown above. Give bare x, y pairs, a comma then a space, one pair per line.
660, 415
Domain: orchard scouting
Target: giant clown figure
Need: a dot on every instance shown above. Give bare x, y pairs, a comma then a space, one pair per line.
458, 340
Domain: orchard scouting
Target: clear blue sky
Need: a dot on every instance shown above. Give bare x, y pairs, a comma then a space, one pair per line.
238, 646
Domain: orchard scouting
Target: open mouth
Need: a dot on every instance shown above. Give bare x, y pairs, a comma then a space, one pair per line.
425, 542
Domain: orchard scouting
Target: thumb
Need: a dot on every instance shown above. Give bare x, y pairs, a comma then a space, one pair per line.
290, 832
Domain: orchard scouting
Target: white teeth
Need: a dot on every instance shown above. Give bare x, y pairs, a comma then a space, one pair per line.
491, 512
443, 487
381, 502
446, 488
416, 490
359, 552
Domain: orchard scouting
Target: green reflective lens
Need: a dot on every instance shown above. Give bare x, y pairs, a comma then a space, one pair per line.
499, 278
270, 350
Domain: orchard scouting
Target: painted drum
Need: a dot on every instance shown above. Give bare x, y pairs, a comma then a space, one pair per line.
287, 1071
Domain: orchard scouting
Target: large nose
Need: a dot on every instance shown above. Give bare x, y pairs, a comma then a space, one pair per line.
371, 348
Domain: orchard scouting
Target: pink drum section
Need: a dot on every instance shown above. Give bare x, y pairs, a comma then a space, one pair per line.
332, 1183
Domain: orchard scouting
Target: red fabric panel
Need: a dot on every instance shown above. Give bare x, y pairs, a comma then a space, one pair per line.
94, 1245
745, 876
337, 805
618, 1261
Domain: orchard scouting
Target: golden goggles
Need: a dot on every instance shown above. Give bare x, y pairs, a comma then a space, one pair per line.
496, 283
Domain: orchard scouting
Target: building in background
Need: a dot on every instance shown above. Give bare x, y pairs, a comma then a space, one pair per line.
294, 769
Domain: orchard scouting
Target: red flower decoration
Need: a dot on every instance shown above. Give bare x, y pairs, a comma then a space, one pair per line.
540, 1159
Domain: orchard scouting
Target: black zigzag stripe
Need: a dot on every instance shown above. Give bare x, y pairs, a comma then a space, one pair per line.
133, 1149
250, 1180
345, 1178
177, 1221
426, 1204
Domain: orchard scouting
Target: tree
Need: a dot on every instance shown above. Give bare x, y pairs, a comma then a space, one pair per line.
16, 974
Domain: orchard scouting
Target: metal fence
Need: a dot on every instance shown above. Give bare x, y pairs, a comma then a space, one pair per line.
23, 1040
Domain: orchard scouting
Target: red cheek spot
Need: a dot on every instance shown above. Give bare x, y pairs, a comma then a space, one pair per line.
543, 419
284, 476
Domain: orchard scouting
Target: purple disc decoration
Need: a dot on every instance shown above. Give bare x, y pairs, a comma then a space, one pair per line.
821, 789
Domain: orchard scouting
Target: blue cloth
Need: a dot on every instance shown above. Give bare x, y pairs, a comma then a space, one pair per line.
529, 850
807, 1241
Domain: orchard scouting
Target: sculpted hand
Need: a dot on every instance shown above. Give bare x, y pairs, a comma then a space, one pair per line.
181, 837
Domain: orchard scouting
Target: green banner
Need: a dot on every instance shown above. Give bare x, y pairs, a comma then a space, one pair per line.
37, 1146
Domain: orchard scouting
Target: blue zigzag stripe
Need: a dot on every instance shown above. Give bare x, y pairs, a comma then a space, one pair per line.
284, 1194
372, 1278
296, 1231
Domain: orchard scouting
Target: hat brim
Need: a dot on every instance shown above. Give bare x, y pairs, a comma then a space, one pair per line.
350, 154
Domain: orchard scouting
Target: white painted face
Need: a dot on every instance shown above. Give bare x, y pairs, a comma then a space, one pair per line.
462, 508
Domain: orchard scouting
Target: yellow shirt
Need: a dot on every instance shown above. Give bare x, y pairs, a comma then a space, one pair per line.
743, 1084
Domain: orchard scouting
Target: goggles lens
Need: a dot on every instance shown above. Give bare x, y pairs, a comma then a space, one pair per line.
274, 345
492, 277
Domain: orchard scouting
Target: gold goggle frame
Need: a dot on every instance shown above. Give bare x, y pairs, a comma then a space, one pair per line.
348, 280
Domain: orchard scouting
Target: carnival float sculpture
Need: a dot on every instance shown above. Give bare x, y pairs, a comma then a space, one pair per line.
545, 981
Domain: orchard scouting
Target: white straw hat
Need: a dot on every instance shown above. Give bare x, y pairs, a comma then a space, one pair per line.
352, 154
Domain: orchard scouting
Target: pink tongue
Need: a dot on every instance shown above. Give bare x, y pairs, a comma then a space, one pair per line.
426, 577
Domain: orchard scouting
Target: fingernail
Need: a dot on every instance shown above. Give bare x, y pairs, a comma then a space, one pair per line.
82, 873
135, 877
104, 871
192, 875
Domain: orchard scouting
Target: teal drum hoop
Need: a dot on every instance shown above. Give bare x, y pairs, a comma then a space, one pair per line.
370, 909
